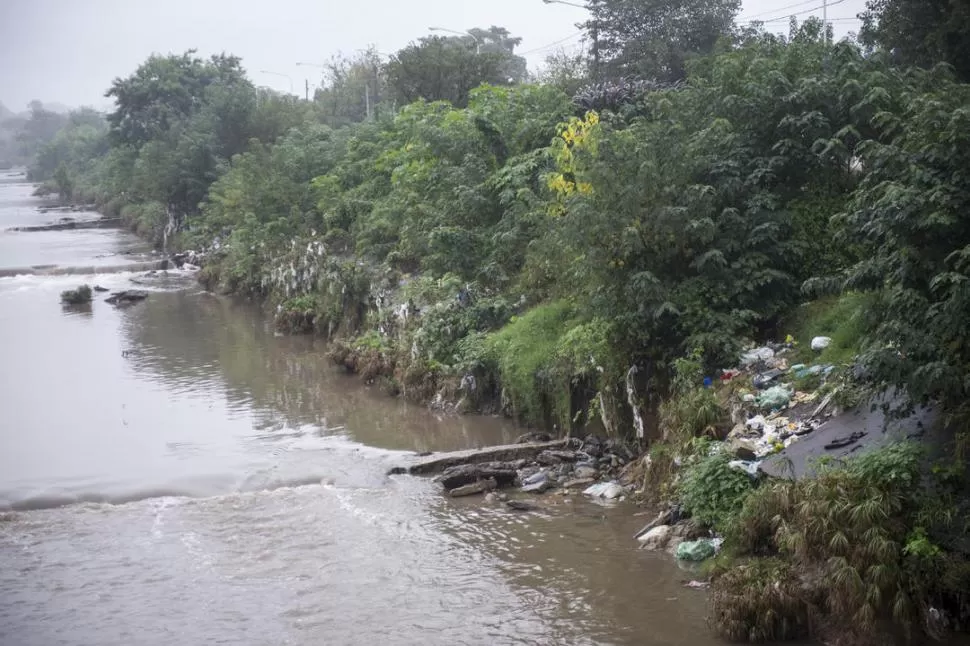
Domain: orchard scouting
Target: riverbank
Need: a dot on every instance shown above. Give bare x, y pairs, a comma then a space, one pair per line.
597, 262
373, 319
176, 452
545, 482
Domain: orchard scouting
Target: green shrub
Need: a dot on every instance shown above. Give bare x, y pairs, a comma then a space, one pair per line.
692, 410
711, 491
854, 539
297, 315
752, 531
446, 324
371, 340
760, 601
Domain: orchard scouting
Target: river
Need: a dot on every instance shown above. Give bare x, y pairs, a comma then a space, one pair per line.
175, 473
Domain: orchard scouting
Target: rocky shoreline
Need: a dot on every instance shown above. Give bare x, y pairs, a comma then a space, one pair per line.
599, 467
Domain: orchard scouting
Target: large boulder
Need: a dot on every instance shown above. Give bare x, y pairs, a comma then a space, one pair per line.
540, 482
538, 487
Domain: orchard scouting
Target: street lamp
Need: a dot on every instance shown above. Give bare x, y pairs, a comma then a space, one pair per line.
571, 4
286, 76
478, 41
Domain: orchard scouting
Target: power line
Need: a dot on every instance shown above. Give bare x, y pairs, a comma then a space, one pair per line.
797, 13
558, 42
749, 20
791, 6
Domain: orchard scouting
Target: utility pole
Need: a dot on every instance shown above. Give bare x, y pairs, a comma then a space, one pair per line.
307, 81
367, 98
825, 19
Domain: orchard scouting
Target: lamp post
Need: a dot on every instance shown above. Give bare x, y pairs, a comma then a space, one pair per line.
594, 32
478, 41
571, 4
286, 76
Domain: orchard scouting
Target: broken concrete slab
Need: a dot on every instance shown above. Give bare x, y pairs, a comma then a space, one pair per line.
503, 473
438, 462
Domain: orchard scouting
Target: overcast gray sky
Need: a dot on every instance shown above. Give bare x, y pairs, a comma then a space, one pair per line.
68, 51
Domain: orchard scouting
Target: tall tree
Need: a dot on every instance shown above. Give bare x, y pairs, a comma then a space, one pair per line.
921, 32
81, 140
655, 38
447, 69
352, 88
165, 90
498, 40
42, 126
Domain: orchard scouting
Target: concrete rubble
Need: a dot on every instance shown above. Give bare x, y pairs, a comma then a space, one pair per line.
591, 465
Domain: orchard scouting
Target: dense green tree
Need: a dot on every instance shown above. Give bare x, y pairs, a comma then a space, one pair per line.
694, 223
654, 39
165, 90
565, 70
909, 215
267, 196
74, 149
39, 129
499, 40
447, 69
920, 32
353, 89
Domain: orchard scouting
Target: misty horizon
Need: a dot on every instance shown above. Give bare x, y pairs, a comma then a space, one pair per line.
69, 53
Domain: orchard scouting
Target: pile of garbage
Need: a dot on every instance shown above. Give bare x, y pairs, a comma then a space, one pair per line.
774, 414
768, 417
680, 536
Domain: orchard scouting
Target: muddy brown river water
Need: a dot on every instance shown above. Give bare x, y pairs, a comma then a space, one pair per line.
174, 473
